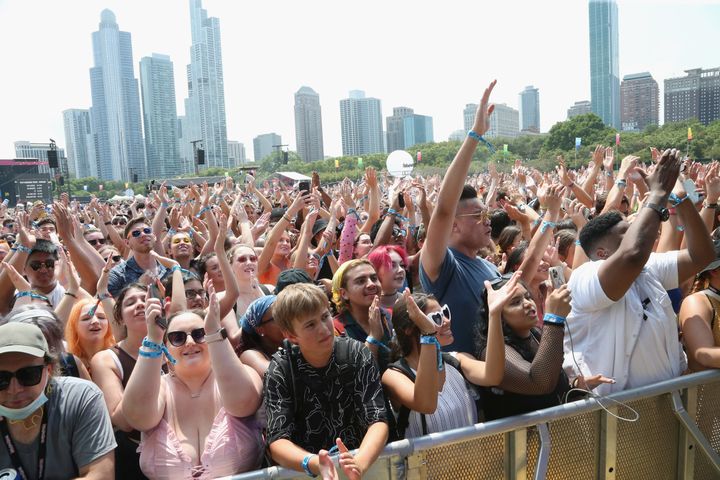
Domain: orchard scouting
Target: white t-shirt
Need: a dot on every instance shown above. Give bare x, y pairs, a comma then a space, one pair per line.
634, 340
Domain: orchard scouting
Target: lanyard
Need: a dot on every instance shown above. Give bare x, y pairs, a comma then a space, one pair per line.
12, 450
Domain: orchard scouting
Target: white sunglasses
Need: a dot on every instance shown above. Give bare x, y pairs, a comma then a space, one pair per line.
439, 316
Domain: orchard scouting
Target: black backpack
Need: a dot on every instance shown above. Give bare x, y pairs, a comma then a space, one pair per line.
403, 418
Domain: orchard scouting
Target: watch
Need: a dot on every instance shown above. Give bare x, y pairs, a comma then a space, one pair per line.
218, 336
662, 212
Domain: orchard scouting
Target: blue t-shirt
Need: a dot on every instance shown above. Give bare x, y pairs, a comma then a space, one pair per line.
459, 285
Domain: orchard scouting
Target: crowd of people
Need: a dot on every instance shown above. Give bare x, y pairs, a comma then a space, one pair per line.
210, 330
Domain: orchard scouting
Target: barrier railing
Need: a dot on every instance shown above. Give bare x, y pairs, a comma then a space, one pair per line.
677, 436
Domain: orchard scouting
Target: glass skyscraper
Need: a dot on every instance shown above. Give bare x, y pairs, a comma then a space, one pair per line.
308, 125
205, 106
80, 143
361, 124
604, 70
115, 110
530, 110
157, 83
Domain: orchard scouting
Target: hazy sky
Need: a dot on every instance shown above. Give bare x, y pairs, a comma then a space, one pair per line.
428, 55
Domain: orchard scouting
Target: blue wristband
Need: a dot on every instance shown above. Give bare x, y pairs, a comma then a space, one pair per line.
479, 138
675, 200
553, 319
547, 224
432, 340
171, 232
305, 466
149, 354
374, 341
158, 348
176, 268
202, 210
23, 248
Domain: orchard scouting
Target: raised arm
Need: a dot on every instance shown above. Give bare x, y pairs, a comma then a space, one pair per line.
543, 235
615, 195
232, 290
277, 231
700, 251
373, 200
440, 228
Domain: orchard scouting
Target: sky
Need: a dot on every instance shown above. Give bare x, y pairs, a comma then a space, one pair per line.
432, 56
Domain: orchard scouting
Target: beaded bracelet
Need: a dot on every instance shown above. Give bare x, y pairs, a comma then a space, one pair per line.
374, 341
432, 340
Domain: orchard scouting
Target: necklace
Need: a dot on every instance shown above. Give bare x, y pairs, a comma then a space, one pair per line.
34, 419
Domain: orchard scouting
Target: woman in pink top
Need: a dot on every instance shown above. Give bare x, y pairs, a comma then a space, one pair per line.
196, 422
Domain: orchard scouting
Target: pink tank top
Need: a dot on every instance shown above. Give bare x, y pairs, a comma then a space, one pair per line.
234, 445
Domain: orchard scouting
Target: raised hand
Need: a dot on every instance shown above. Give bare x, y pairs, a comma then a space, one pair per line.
347, 462
598, 156
212, 317
18, 281
421, 321
482, 116
153, 311
375, 319
558, 302
662, 180
102, 284
609, 160
498, 298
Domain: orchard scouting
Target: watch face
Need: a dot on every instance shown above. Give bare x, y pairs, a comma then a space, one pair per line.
664, 214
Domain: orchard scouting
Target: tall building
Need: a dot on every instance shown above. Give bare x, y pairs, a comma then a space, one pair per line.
115, 111
361, 124
696, 95
457, 136
205, 105
504, 122
32, 150
640, 101
530, 110
604, 69
418, 129
157, 83
579, 108
469, 116
395, 128
186, 153
236, 153
80, 143
263, 145
308, 125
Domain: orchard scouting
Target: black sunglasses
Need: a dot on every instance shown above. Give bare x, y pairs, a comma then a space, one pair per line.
178, 339
137, 233
119, 221
26, 376
95, 241
49, 264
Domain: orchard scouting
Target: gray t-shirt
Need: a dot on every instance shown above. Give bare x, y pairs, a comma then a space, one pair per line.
79, 431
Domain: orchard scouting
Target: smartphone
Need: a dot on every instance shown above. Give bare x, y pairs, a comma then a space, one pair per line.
304, 186
692, 193
557, 277
161, 321
6, 202
401, 200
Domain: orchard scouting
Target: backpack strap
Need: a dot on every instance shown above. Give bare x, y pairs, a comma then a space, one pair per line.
403, 419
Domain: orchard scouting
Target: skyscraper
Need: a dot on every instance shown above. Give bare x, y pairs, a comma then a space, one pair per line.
418, 129
696, 95
115, 111
236, 152
205, 105
264, 144
185, 147
160, 116
469, 116
80, 143
579, 108
308, 125
24, 149
530, 110
504, 122
640, 101
604, 70
395, 128
361, 124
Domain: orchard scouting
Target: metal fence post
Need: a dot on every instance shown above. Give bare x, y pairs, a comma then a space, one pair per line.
516, 454
607, 445
686, 443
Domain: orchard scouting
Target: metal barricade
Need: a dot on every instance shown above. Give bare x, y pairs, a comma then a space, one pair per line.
677, 436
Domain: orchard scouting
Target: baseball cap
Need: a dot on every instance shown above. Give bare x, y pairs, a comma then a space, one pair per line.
290, 277
715, 263
23, 338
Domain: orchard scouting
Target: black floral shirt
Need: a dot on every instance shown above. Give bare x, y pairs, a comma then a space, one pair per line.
338, 400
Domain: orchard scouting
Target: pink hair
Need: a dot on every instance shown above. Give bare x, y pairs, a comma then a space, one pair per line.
380, 257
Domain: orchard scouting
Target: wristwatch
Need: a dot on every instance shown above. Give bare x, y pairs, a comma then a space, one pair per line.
218, 336
662, 212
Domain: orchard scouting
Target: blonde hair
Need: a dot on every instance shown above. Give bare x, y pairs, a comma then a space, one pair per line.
339, 281
298, 301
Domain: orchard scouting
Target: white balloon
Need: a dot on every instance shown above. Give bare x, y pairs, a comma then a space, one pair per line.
400, 163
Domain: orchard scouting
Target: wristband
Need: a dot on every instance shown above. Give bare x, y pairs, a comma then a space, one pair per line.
621, 183
31, 294
431, 340
149, 354
553, 319
69, 294
171, 232
202, 210
104, 296
577, 242
374, 341
396, 214
479, 138
157, 348
305, 466
680, 228
175, 268
547, 224
107, 223
675, 200
608, 173
164, 204
286, 219
23, 248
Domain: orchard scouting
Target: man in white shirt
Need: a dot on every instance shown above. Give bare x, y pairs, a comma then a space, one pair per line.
622, 324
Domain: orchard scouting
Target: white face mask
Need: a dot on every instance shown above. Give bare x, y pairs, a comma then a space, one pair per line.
24, 412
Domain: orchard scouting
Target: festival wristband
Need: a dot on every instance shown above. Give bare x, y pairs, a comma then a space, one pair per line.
553, 319
547, 224
306, 467
432, 340
479, 138
374, 341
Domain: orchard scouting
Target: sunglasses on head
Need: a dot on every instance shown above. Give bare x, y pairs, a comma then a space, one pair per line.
96, 241
496, 282
190, 293
26, 376
439, 316
49, 264
177, 240
137, 233
178, 339
246, 258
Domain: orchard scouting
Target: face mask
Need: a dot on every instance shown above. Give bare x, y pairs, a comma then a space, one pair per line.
24, 412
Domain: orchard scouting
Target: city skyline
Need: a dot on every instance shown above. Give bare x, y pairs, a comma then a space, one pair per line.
260, 102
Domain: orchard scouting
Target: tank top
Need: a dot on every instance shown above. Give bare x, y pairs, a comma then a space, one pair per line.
715, 321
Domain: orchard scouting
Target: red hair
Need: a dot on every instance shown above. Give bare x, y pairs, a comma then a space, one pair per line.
74, 345
380, 257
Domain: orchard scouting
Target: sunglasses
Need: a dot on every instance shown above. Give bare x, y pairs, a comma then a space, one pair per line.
26, 376
49, 264
118, 221
439, 316
247, 258
478, 216
96, 241
178, 339
181, 239
190, 293
115, 258
398, 232
137, 233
